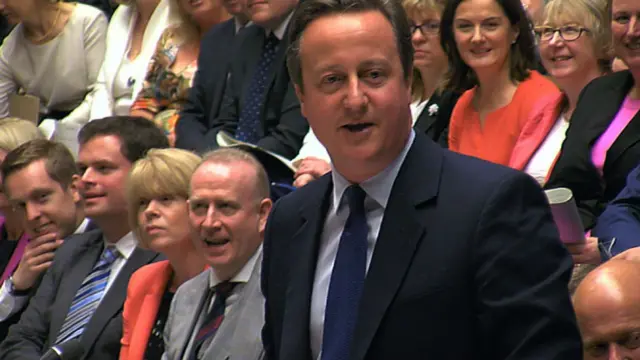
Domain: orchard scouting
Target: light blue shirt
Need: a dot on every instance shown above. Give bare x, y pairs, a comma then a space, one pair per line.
378, 189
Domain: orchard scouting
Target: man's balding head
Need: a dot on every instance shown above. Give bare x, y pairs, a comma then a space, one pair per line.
607, 305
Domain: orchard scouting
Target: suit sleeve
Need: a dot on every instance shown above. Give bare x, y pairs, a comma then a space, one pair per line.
522, 272
27, 339
268, 341
574, 168
191, 129
621, 218
286, 137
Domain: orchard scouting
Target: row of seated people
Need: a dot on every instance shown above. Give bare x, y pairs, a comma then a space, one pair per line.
158, 214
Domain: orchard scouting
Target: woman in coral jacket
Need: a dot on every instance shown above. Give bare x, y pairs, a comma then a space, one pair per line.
157, 192
492, 52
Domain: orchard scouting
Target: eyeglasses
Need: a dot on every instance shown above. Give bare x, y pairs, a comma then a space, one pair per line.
567, 33
431, 27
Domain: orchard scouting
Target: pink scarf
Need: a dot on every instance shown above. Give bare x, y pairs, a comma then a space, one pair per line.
16, 257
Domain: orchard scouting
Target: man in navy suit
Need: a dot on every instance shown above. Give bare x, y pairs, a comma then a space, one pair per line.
618, 228
40, 180
82, 294
259, 104
193, 131
405, 250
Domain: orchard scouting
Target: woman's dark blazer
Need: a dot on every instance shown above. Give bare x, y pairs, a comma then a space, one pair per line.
597, 106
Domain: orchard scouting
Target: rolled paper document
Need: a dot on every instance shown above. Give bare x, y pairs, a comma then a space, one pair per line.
565, 215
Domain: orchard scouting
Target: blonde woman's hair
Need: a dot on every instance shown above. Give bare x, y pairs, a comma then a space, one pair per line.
421, 7
593, 15
15, 132
187, 29
162, 172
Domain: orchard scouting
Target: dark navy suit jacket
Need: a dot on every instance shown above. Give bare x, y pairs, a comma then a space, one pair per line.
621, 218
467, 265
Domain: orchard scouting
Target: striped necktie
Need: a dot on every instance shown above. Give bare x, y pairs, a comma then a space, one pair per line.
215, 316
88, 297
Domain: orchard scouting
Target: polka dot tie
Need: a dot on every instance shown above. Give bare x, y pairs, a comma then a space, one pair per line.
249, 126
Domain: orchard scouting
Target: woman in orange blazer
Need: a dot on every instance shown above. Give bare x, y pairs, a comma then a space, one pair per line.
157, 191
575, 45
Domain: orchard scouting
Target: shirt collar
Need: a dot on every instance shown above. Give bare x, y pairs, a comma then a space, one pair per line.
126, 245
279, 32
377, 187
83, 226
242, 276
239, 25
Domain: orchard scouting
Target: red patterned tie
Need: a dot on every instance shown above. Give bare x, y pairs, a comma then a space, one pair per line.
214, 318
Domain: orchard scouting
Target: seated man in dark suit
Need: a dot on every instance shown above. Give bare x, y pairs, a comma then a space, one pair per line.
83, 292
40, 182
405, 250
618, 227
219, 313
193, 131
259, 105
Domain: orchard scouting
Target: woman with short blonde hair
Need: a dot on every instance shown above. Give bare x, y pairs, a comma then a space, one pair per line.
157, 190
15, 132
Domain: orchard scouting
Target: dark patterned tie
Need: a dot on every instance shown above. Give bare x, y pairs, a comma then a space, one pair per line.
249, 126
347, 280
215, 316
88, 297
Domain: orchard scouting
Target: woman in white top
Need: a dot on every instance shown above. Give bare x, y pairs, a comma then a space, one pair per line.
54, 53
134, 30
575, 48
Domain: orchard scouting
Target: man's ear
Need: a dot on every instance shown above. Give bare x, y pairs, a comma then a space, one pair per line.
74, 188
300, 95
263, 213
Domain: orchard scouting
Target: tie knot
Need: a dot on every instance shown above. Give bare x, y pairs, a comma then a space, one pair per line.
272, 41
224, 288
109, 255
355, 197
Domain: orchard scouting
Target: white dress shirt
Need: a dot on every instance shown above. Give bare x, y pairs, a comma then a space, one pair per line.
125, 246
545, 157
378, 189
10, 304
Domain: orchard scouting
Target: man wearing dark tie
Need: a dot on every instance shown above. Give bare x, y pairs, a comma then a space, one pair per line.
82, 295
194, 130
405, 250
259, 105
219, 313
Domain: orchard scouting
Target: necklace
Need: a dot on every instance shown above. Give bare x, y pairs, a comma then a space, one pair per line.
43, 37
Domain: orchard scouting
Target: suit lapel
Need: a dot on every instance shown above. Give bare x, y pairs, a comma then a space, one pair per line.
201, 288
113, 300
253, 44
401, 232
425, 121
82, 264
629, 135
304, 250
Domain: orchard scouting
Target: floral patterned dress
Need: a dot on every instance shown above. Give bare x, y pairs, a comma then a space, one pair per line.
165, 90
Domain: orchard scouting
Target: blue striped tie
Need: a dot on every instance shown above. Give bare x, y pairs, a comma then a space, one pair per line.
88, 297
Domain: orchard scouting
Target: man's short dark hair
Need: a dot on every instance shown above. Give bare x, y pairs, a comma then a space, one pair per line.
59, 162
137, 135
311, 10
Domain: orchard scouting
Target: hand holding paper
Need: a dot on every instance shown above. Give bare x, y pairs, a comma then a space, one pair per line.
565, 215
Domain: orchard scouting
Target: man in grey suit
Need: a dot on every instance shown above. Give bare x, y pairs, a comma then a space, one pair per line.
219, 313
